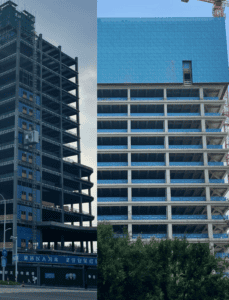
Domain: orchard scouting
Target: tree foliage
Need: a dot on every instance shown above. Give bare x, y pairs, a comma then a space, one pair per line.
159, 270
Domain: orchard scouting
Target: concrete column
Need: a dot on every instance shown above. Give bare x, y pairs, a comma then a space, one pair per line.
129, 126
169, 231
167, 176
203, 126
167, 159
204, 141
165, 94
201, 93
168, 193
202, 109
205, 159
129, 176
211, 246
129, 212
208, 195
206, 175
130, 230
210, 231
129, 142
209, 212
166, 142
169, 213
87, 246
166, 126
129, 194
128, 110
165, 110
129, 159
91, 246
128, 94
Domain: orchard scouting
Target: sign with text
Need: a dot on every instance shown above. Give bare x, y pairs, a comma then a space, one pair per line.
57, 259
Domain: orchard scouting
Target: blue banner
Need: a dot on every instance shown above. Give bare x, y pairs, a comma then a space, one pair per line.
57, 259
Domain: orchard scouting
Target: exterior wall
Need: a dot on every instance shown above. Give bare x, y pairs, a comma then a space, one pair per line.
144, 50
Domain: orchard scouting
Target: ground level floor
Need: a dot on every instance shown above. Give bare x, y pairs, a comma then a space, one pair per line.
53, 275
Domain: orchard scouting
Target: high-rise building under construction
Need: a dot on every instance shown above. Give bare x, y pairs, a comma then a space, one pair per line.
162, 128
41, 185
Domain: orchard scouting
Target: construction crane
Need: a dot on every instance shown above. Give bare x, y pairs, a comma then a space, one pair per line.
218, 6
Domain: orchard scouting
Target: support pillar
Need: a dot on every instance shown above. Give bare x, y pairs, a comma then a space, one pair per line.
169, 231
202, 112
128, 110
168, 193
130, 230
87, 246
92, 251
206, 176
165, 94
205, 159
201, 91
204, 141
167, 159
166, 126
129, 176
81, 247
128, 94
129, 142
165, 110
167, 177
208, 195
166, 142
203, 125
129, 126
129, 159
209, 212
169, 213
129, 212
129, 194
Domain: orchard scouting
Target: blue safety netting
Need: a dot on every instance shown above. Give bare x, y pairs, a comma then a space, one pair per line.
113, 147
148, 147
184, 130
146, 114
101, 164
148, 98
188, 199
220, 236
213, 130
111, 130
212, 114
112, 99
218, 198
148, 198
187, 181
149, 235
179, 217
112, 181
123, 217
185, 146
216, 180
214, 147
191, 236
148, 164
111, 199
183, 114
147, 130
148, 180
149, 217
214, 163
193, 163
112, 115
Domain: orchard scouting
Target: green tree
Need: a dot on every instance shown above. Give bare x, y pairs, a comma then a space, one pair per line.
158, 270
